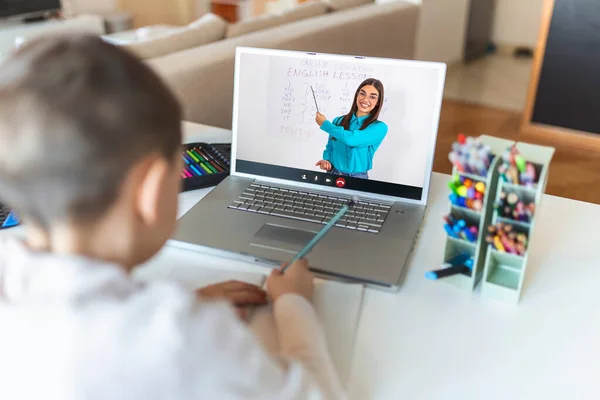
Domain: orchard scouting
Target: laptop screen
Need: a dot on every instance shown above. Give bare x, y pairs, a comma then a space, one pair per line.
353, 123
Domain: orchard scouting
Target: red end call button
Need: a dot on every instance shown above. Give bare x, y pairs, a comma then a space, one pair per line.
340, 182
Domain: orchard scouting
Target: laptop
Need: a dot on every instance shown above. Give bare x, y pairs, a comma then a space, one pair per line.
280, 193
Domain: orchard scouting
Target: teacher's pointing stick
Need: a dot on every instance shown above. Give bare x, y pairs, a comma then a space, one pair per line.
321, 234
315, 98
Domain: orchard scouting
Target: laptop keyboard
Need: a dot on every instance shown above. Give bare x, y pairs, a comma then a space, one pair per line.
303, 205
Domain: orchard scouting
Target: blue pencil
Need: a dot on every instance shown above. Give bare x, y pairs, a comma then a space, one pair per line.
321, 234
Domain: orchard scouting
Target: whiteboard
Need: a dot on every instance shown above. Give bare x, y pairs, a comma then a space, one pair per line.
292, 85
276, 106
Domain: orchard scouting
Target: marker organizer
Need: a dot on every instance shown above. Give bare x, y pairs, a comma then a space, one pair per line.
472, 190
205, 164
523, 175
515, 180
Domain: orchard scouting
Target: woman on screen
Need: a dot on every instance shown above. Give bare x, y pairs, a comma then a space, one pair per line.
355, 137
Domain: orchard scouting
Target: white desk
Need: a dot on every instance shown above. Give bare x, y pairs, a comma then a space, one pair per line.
433, 341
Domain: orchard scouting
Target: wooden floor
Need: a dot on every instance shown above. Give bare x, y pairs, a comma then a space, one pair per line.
574, 173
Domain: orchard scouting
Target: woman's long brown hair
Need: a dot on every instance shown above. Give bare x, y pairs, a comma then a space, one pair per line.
345, 122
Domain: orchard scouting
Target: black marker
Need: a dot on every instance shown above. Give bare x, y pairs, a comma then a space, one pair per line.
442, 273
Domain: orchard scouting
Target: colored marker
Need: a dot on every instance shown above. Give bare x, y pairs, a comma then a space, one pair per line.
200, 163
206, 160
450, 231
192, 165
11, 220
193, 156
187, 158
202, 160
193, 162
196, 170
498, 244
212, 160
187, 173
444, 272
209, 163
192, 171
462, 261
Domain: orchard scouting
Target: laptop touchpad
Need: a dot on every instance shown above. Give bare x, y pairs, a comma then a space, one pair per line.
282, 238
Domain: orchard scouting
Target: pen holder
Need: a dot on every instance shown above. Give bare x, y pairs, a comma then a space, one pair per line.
480, 217
506, 259
205, 165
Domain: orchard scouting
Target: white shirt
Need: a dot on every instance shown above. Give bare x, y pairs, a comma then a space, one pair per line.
75, 328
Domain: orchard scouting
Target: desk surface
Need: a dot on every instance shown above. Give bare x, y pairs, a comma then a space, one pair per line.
433, 341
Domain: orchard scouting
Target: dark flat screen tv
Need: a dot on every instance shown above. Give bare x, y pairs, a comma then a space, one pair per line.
27, 8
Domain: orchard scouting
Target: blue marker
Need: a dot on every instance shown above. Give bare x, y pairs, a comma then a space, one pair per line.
450, 231
321, 234
193, 166
11, 220
444, 272
462, 263
196, 170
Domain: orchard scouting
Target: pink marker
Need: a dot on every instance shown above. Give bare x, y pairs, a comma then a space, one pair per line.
531, 171
508, 244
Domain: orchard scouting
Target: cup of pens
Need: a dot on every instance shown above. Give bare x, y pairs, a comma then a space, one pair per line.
516, 170
471, 156
505, 238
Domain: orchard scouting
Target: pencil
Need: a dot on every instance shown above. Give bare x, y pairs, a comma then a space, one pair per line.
321, 234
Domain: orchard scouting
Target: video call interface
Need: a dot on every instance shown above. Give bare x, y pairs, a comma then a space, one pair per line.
337, 122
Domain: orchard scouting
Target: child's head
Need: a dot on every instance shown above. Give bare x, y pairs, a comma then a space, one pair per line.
368, 100
89, 143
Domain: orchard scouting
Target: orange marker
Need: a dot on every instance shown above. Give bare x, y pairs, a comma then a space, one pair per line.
498, 244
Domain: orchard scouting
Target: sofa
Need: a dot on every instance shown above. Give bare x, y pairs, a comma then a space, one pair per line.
202, 76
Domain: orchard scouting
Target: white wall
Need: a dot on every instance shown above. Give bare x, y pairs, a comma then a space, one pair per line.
201, 7
442, 30
517, 22
89, 6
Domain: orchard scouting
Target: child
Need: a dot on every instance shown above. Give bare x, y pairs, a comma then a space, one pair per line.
89, 156
355, 137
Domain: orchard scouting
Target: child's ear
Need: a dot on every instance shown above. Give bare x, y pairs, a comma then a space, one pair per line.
150, 188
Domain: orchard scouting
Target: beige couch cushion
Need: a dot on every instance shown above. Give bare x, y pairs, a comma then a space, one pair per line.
195, 75
343, 4
207, 29
254, 24
304, 10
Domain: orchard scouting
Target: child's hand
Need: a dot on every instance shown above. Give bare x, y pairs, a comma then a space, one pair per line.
241, 294
324, 165
320, 118
296, 279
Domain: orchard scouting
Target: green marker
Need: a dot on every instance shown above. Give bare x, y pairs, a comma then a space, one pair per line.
521, 163
208, 164
193, 156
